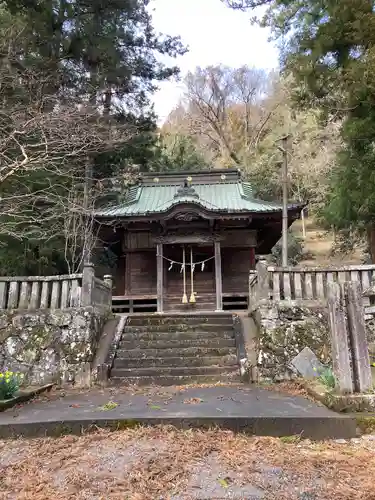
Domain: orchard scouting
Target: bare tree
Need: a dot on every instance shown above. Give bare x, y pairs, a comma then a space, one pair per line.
237, 116
246, 4
225, 109
46, 139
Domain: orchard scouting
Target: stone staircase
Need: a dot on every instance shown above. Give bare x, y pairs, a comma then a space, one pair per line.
176, 349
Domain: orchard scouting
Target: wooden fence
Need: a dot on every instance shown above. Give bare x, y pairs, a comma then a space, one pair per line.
55, 292
304, 286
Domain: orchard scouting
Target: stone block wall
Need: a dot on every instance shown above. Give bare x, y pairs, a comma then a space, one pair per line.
49, 345
283, 331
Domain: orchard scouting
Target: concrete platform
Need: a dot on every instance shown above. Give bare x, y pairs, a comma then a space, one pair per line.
237, 407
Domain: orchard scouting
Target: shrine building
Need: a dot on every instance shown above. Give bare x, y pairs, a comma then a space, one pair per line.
186, 241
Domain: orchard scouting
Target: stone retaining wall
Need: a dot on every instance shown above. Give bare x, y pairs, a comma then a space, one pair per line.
283, 331
49, 345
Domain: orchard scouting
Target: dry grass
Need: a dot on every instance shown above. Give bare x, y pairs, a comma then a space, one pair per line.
151, 463
291, 388
318, 245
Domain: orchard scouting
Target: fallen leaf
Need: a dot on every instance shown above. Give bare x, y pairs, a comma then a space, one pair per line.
296, 438
223, 483
193, 401
154, 407
74, 406
108, 406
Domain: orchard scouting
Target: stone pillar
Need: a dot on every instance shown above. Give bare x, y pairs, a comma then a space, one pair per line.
263, 281
159, 277
87, 284
108, 280
252, 258
218, 277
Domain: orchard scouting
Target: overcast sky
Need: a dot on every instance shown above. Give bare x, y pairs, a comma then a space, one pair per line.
214, 35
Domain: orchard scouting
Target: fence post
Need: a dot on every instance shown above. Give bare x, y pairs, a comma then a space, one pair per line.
263, 281
87, 284
357, 332
339, 337
108, 280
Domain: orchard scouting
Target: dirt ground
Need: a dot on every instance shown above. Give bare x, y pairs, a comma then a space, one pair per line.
165, 463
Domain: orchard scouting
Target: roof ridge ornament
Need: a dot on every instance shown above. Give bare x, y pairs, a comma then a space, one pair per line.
186, 190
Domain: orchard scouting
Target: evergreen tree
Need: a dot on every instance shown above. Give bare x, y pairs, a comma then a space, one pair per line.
329, 46
178, 152
99, 54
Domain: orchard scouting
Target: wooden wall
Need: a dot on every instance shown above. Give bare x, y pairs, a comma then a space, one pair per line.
136, 273
235, 265
119, 276
204, 281
140, 277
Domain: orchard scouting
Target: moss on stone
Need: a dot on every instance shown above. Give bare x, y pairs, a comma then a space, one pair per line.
39, 337
46, 345
119, 425
284, 332
366, 423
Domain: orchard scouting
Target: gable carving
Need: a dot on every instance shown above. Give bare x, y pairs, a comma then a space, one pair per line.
187, 216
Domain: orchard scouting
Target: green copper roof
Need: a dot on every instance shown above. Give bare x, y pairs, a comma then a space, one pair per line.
214, 191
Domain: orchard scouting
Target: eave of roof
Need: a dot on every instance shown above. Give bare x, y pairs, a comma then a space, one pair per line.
215, 192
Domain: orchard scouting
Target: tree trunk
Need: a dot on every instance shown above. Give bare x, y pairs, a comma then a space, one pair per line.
371, 241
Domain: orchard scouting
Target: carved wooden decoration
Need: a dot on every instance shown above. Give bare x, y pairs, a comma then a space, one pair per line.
187, 216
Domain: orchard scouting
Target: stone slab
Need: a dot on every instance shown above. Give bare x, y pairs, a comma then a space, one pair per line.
307, 364
23, 396
237, 407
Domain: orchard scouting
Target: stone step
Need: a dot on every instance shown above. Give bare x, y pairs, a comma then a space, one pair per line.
176, 352
221, 319
183, 361
182, 327
167, 370
169, 344
166, 380
165, 336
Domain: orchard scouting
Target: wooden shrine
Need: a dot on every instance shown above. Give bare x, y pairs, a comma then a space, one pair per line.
186, 241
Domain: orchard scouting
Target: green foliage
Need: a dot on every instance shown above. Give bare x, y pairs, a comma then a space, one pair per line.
295, 251
178, 152
329, 46
101, 53
108, 406
327, 378
101, 49
9, 384
25, 257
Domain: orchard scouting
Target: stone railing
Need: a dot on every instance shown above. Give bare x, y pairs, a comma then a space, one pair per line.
55, 292
40, 292
305, 285
96, 292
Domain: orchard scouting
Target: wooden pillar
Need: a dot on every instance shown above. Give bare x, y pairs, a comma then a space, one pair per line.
218, 277
159, 276
357, 331
339, 337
